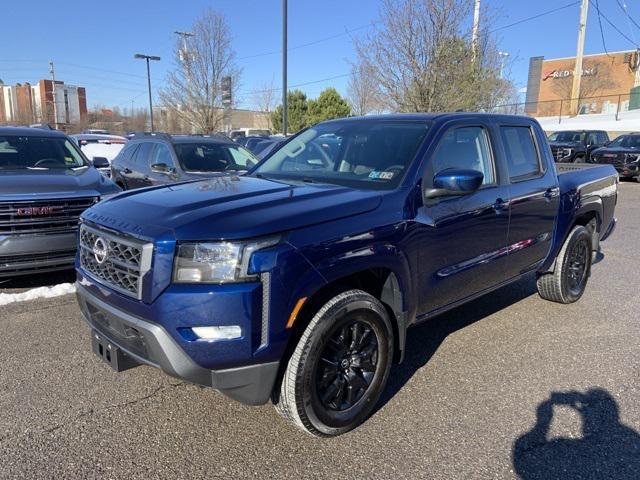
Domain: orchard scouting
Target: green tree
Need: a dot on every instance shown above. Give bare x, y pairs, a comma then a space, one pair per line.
297, 106
327, 106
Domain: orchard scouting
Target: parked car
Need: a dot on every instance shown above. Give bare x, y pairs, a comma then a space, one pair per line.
157, 159
298, 281
45, 184
102, 147
249, 132
573, 146
623, 153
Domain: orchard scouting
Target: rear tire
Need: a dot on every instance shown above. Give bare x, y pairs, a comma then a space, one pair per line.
339, 367
568, 281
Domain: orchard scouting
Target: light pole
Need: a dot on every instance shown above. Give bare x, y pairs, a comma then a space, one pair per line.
503, 56
285, 107
140, 56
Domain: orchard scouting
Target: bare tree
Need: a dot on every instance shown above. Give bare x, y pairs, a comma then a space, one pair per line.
421, 56
194, 89
363, 93
265, 99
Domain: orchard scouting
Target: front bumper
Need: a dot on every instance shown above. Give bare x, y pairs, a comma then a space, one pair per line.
150, 344
24, 253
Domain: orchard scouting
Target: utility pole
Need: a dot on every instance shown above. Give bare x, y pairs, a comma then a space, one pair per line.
577, 72
55, 96
184, 36
140, 56
285, 111
476, 27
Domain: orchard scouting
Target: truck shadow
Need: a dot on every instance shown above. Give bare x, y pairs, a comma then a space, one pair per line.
424, 340
607, 449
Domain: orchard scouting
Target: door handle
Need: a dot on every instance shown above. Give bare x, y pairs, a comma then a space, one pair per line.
500, 206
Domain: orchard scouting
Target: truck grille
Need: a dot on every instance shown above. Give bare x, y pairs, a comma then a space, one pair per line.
114, 260
42, 216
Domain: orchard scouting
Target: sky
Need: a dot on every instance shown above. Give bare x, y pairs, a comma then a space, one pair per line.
92, 43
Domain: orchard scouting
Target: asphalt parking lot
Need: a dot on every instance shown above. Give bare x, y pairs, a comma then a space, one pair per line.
508, 386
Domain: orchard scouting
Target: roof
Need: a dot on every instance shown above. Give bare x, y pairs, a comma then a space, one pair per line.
97, 136
431, 116
137, 136
31, 132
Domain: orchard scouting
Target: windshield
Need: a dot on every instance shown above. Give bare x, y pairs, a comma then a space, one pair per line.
213, 157
38, 153
567, 137
626, 141
362, 154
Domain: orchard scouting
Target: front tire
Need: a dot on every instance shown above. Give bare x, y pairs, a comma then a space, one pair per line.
339, 367
568, 281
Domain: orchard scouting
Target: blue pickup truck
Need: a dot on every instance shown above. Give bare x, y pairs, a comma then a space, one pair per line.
298, 282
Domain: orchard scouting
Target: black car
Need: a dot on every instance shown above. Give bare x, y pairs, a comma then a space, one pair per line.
45, 184
158, 158
576, 145
623, 153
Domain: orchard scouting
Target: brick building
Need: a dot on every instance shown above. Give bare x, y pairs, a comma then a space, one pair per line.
607, 81
26, 103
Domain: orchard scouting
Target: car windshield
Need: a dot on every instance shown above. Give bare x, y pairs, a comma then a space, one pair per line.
213, 157
360, 154
567, 137
38, 153
626, 141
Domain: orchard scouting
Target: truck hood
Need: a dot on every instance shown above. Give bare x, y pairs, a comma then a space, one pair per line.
53, 183
229, 207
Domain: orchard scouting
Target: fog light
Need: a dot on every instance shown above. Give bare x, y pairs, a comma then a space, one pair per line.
227, 332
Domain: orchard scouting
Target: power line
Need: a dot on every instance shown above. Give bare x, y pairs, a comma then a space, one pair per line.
297, 85
548, 12
614, 26
604, 45
315, 42
630, 20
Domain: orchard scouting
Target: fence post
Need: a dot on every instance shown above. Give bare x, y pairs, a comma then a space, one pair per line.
618, 106
560, 115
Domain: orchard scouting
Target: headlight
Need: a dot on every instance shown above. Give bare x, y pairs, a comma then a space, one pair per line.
217, 262
632, 157
566, 152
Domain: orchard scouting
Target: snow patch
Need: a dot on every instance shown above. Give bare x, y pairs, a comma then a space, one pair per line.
40, 292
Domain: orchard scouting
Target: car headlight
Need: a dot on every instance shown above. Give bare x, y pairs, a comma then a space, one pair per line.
217, 262
566, 152
632, 157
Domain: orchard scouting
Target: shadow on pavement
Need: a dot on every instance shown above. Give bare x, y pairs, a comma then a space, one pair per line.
607, 449
423, 341
35, 280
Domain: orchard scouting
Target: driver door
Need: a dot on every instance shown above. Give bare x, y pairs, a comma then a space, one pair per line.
462, 240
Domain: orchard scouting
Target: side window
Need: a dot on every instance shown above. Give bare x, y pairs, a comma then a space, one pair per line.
162, 154
127, 152
522, 156
464, 148
142, 154
602, 138
592, 139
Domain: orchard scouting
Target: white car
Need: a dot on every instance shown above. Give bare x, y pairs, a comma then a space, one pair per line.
100, 146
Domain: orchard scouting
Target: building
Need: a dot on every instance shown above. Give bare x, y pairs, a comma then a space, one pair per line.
26, 103
606, 86
167, 120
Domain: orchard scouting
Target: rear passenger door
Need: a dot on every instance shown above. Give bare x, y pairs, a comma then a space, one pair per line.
534, 194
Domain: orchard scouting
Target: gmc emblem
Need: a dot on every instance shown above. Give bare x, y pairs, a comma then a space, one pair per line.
34, 211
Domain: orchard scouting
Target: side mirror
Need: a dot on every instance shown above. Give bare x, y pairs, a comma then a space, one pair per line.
100, 162
454, 182
160, 168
